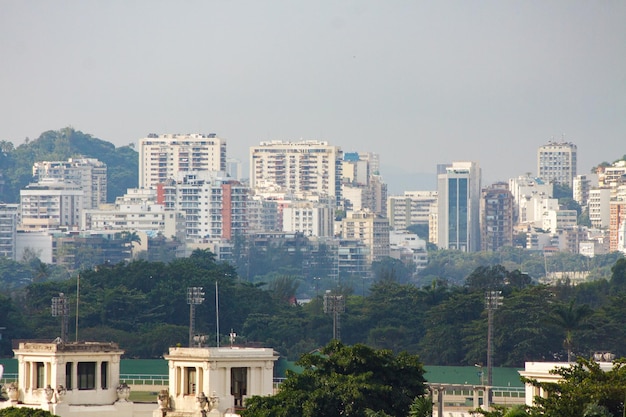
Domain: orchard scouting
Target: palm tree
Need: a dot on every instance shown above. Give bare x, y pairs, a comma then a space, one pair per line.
421, 406
570, 318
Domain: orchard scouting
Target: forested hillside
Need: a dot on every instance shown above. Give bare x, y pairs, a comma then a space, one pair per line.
142, 305
16, 163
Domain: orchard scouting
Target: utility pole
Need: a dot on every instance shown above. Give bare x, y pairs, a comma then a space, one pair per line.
493, 300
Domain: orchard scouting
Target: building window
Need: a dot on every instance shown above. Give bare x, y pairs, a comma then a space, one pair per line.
104, 375
238, 384
40, 369
86, 375
69, 371
190, 381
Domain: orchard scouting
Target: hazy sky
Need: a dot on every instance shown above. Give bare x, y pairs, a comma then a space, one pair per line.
419, 82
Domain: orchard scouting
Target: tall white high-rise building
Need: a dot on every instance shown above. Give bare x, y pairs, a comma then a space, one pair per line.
459, 207
556, 162
161, 157
305, 167
214, 205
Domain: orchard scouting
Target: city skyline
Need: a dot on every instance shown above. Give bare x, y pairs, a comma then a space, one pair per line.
416, 82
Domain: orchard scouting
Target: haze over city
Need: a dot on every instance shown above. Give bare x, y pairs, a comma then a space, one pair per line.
420, 83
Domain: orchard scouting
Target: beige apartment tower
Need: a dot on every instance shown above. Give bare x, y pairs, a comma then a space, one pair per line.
161, 157
305, 167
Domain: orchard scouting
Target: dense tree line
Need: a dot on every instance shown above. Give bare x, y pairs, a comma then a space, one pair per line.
143, 306
59, 145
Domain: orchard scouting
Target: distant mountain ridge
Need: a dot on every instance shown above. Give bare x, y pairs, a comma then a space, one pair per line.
16, 164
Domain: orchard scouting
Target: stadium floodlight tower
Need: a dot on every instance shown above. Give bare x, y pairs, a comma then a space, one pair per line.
334, 304
493, 300
61, 308
195, 296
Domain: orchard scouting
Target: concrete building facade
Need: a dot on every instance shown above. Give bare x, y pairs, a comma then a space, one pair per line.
413, 207
9, 217
496, 217
214, 206
89, 173
308, 167
599, 207
308, 218
556, 162
50, 204
162, 157
371, 229
582, 185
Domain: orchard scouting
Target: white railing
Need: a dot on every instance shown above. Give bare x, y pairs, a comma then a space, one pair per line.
149, 380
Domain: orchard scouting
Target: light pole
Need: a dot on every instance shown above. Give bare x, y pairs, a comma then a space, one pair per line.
493, 300
61, 307
195, 296
334, 304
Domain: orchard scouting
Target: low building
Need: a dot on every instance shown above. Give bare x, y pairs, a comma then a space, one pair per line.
545, 372
76, 379
72, 379
223, 377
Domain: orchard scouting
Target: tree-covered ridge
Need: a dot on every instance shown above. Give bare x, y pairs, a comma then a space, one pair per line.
16, 163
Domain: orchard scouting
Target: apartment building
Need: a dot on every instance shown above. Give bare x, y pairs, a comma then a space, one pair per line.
137, 210
525, 189
162, 157
581, 187
51, 204
362, 186
371, 229
413, 207
214, 206
612, 176
308, 218
556, 162
305, 167
617, 217
88, 173
496, 217
9, 217
599, 207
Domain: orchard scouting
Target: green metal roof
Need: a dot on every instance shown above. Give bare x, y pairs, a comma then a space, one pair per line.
501, 377
144, 366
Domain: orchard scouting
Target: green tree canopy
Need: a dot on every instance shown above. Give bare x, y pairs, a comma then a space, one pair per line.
351, 381
24, 412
